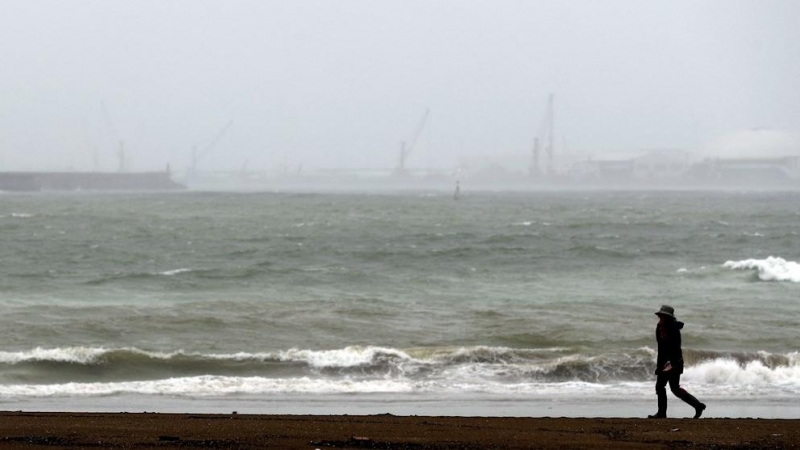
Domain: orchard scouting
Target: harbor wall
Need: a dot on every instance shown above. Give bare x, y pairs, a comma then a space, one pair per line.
86, 181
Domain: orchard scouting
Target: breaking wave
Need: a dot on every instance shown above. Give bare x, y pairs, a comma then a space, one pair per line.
770, 269
79, 371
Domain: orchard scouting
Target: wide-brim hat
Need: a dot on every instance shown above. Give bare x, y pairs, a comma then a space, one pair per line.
666, 310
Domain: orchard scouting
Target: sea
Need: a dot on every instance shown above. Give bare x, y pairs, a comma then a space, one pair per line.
492, 304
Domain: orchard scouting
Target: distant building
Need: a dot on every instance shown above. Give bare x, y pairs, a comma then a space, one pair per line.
649, 165
759, 156
749, 170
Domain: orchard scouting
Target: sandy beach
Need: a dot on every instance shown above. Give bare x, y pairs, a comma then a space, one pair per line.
148, 430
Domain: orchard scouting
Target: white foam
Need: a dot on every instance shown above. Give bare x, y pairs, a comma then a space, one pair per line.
170, 273
219, 386
727, 375
492, 370
718, 378
713, 379
208, 386
77, 355
81, 355
770, 269
347, 357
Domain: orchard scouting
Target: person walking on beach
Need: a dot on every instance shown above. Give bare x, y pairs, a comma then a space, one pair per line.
669, 364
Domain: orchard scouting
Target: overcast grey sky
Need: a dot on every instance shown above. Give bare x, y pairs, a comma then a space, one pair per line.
333, 83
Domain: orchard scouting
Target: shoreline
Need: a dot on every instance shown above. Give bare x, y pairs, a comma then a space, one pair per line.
473, 405
385, 431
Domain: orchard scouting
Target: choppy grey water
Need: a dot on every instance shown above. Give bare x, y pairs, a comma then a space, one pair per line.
510, 296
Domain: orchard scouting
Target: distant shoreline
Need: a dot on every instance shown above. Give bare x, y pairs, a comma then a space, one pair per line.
140, 430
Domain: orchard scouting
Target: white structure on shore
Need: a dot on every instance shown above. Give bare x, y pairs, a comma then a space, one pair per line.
751, 156
651, 165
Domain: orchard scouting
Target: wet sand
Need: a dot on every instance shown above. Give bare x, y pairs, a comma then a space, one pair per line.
151, 430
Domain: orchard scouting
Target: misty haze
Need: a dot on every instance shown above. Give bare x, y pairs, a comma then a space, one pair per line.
264, 95
338, 208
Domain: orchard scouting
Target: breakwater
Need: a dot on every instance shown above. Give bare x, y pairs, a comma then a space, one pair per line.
88, 181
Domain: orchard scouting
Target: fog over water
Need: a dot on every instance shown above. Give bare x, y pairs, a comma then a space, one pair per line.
306, 85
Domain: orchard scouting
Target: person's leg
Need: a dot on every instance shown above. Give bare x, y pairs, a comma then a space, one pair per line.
661, 392
675, 387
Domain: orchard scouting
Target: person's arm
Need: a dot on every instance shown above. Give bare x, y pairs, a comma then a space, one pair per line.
675, 347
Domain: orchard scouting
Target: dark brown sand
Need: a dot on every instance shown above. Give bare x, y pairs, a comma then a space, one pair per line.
102, 430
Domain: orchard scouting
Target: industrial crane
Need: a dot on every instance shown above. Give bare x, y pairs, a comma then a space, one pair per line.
545, 131
407, 148
197, 156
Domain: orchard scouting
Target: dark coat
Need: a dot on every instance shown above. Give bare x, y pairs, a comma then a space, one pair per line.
668, 337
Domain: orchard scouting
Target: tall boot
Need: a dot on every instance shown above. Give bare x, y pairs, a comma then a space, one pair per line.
694, 403
662, 405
